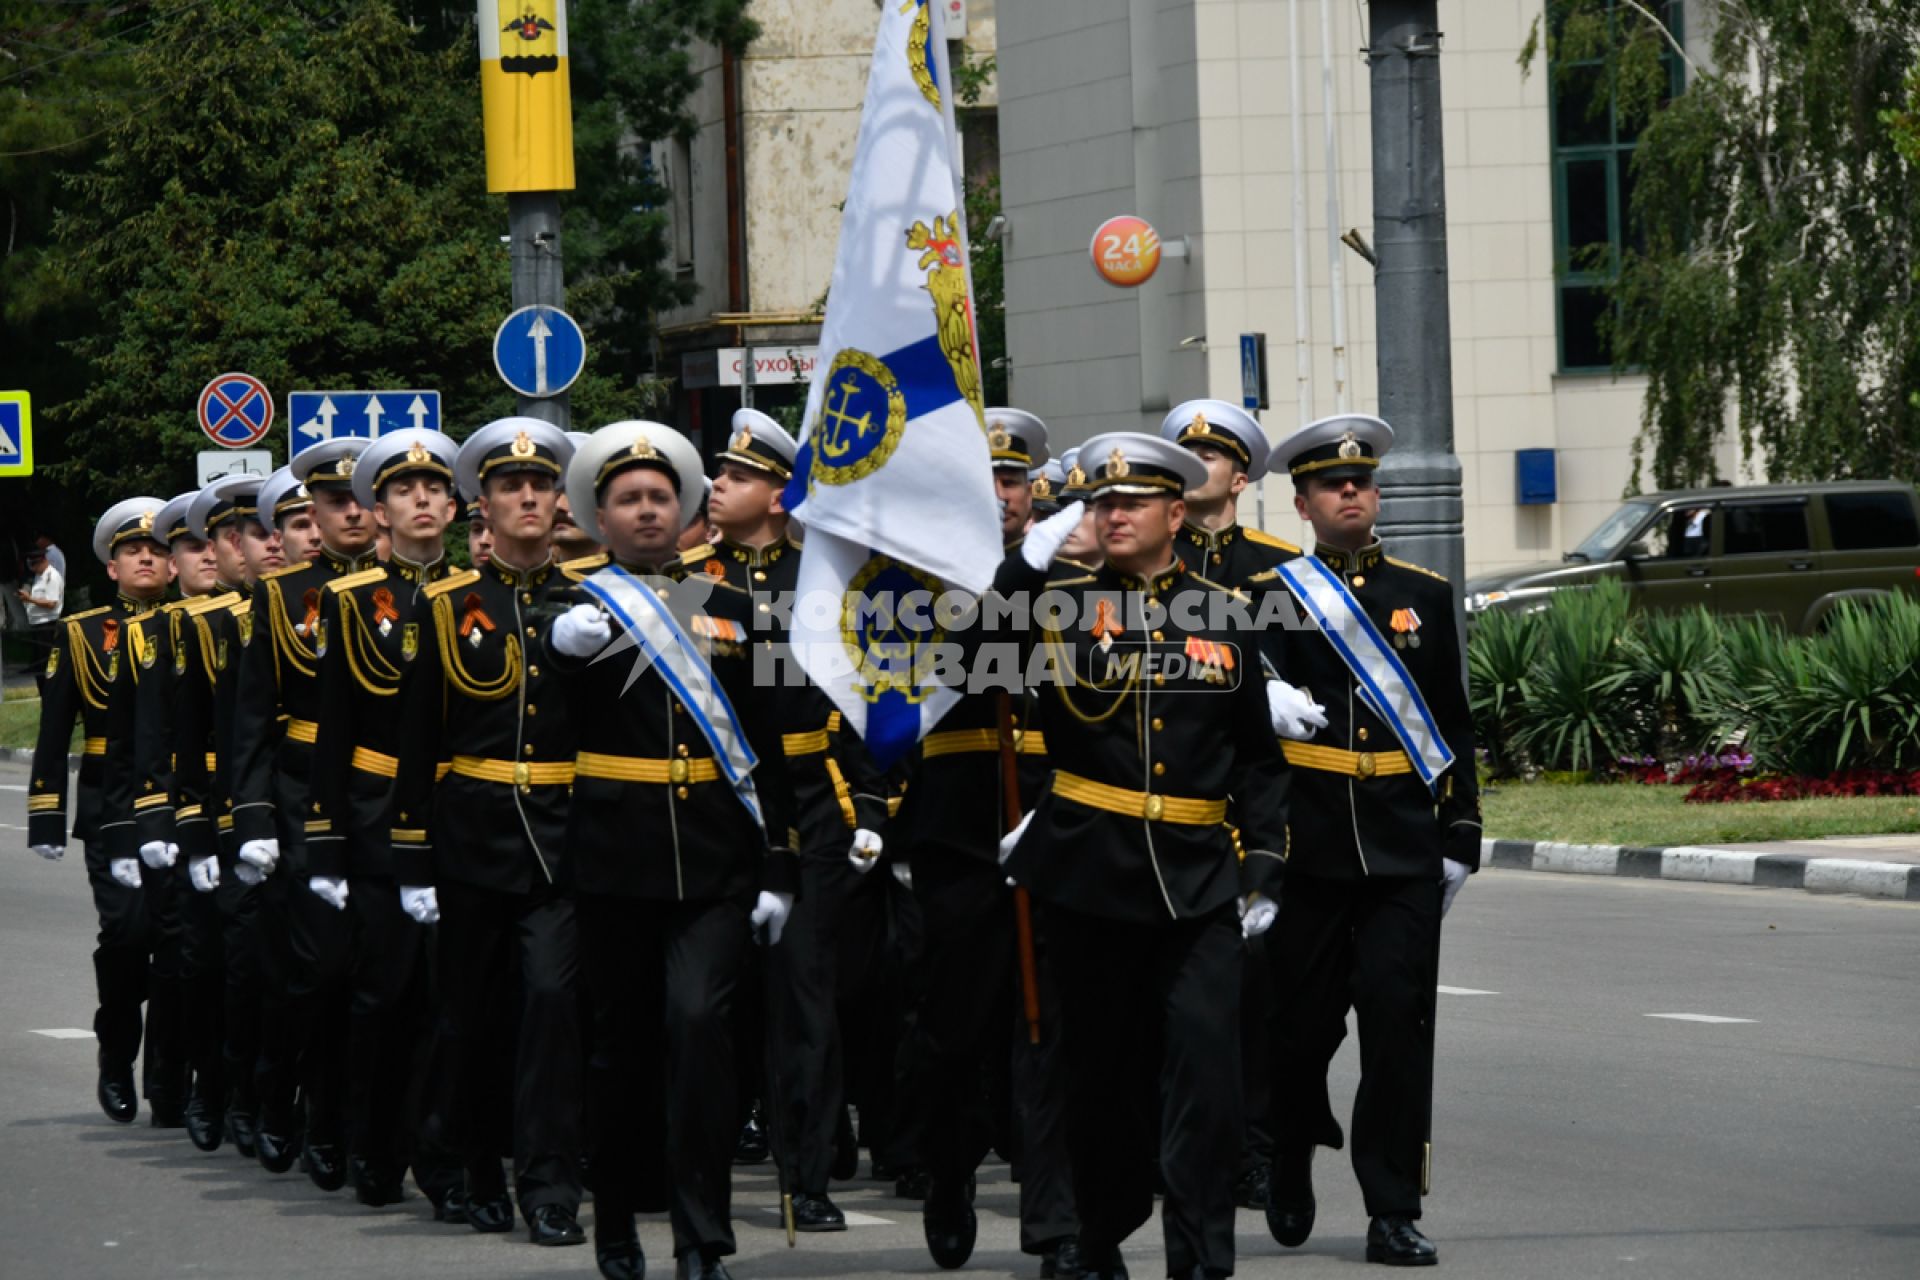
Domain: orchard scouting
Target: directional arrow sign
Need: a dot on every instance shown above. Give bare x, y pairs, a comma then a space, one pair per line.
314, 416
16, 434
539, 351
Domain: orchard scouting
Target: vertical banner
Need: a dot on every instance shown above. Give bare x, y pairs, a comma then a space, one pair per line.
524, 95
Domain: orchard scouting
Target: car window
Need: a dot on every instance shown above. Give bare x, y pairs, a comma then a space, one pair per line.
1602, 542
1754, 527
1863, 521
1684, 533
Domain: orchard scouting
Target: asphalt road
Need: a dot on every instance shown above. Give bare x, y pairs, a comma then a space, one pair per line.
1576, 1134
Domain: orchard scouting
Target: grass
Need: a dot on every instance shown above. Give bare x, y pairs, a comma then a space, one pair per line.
1629, 813
19, 721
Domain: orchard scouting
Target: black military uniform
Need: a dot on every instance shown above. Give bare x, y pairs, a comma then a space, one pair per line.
1161, 741
88, 678
486, 715
305, 943
1360, 920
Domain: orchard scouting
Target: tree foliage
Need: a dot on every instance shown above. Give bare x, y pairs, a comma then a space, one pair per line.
1769, 287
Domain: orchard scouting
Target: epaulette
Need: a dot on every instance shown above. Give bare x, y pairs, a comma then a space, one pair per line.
694, 555
240, 606
208, 603
1209, 582
175, 606
1072, 582
139, 618
576, 570
1266, 539
453, 582
81, 617
1074, 564
364, 578
1416, 568
1265, 575
284, 570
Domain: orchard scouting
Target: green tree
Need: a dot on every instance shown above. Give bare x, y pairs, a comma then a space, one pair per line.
1769, 286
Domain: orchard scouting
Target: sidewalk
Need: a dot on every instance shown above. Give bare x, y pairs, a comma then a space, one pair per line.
1874, 866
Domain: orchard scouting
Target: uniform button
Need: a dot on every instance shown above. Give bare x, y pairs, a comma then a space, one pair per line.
766, 608
1360, 733
529, 749
532, 710
759, 575
1359, 581
533, 671
1216, 557
1152, 602
1158, 678
1159, 768
1158, 724
526, 597
681, 792
683, 750
530, 633
1159, 635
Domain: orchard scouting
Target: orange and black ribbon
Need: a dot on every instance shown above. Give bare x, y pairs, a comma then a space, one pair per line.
383, 610
476, 615
109, 634
715, 569
1104, 622
312, 602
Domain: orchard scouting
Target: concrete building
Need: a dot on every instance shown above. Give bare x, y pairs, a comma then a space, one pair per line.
1180, 111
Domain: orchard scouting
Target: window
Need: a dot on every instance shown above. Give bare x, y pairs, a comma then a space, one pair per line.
680, 178
1757, 527
1684, 533
1592, 192
1865, 521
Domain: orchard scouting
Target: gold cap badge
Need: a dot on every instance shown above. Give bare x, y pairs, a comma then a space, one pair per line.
643, 448
742, 440
999, 438
1117, 464
1349, 447
419, 453
1076, 476
522, 446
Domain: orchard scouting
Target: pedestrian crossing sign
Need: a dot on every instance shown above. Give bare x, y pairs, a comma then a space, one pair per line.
16, 434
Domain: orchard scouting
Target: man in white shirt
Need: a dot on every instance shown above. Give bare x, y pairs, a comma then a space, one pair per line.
44, 600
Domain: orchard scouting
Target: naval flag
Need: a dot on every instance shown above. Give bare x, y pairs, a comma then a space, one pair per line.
893, 480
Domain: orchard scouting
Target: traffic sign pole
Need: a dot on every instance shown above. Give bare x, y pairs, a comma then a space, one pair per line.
533, 227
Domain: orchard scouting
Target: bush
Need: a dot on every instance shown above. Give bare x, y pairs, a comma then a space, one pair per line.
1500, 659
1573, 715
1678, 666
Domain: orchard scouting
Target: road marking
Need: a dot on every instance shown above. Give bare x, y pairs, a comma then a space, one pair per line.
9, 786
853, 1219
1698, 1017
1464, 991
64, 1033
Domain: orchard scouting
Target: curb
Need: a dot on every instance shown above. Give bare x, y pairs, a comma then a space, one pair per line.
1708, 866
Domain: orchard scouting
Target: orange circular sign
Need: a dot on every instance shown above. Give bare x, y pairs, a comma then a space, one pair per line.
1126, 251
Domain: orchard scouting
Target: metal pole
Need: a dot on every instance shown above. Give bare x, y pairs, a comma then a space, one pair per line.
1421, 511
1302, 285
1337, 271
533, 234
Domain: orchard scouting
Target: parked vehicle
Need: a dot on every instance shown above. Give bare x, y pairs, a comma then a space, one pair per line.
1791, 552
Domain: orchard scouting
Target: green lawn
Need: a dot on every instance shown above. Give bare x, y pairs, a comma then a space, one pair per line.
1629, 813
19, 721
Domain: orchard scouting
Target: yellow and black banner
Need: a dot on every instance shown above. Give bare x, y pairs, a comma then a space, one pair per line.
524, 94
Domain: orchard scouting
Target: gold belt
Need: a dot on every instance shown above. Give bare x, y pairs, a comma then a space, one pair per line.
519, 773
367, 760
953, 742
1138, 804
213, 763
804, 744
1354, 764
94, 747
589, 764
303, 731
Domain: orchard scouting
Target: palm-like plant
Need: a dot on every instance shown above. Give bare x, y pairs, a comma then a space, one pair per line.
1573, 716
1500, 660
1679, 664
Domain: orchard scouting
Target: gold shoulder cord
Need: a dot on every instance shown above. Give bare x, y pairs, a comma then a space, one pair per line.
87, 672
285, 640
447, 632
205, 632
369, 666
1057, 651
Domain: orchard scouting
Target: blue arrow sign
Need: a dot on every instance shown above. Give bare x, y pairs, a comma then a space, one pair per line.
16, 434
314, 416
539, 351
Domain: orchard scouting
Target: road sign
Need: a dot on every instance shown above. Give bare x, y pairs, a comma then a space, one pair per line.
1253, 370
1126, 251
16, 433
314, 416
539, 351
235, 410
213, 464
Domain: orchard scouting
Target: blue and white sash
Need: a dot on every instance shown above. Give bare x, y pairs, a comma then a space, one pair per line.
675, 656
1385, 686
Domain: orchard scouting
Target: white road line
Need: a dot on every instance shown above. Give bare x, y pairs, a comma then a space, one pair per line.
853, 1219
1698, 1017
9, 786
64, 1033
1464, 991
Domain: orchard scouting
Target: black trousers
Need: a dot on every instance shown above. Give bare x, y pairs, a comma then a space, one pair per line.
163, 1071
120, 953
1256, 1061
664, 976
1040, 1091
1153, 1055
1374, 942
389, 1031
491, 945
202, 978
886, 1063
241, 944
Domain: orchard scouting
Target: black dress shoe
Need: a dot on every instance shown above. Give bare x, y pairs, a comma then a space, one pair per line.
274, 1151
1102, 1263
751, 1146
116, 1095
205, 1123
1290, 1206
813, 1211
554, 1224
616, 1244
490, 1213
373, 1185
451, 1208
1398, 1243
694, 1266
1061, 1259
1250, 1189
166, 1113
846, 1150
325, 1169
911, 1185
948, 1220
240, 1130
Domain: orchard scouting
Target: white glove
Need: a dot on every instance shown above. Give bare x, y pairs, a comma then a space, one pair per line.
51, 852
1012, 838
1045, 538
126, 871
1452, 876
582, 631
423, 904
159, 855
204, 873
247, 873
865, 851
1257, 915
263, 854
1295, 715
331, 890
772, 911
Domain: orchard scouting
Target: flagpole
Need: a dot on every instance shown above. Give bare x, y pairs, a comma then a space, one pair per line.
1022, 900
